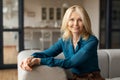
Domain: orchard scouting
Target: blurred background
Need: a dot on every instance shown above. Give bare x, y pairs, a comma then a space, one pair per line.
35, 24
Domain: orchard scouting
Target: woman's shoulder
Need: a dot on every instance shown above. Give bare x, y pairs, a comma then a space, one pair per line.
93, 38
61, 40
64, 40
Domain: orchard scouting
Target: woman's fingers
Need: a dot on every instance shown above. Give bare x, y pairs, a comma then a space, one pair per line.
21, 64
25, 67
29, 59
25, 64
35, 61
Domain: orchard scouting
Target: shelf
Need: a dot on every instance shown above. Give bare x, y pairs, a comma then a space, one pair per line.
40, 38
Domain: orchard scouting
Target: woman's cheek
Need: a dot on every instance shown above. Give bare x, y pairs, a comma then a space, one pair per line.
69, 24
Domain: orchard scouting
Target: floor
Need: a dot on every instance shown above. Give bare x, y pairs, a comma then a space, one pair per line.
10, 55
8, 74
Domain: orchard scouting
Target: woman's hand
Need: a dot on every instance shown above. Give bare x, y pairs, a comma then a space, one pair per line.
29, 62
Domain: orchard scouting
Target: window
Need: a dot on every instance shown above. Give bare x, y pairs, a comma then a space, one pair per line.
110, 24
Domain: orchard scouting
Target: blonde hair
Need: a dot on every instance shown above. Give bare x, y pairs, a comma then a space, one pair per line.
66, 34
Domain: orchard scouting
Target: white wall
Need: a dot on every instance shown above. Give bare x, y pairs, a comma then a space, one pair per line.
92, 7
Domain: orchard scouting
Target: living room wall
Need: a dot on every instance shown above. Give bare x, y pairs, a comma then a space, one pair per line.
32, 12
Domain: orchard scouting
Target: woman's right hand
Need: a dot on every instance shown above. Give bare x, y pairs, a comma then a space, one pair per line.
29, 62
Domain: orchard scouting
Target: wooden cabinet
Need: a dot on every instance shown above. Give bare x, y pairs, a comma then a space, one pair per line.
40, 38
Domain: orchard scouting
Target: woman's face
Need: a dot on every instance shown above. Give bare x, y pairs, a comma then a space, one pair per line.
75, 24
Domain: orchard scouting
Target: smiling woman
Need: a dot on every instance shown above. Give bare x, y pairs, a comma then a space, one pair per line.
79, 56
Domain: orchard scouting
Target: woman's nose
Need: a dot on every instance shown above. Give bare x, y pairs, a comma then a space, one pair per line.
75, 22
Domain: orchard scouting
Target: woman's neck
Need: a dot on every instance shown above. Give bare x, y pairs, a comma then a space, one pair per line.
75, 37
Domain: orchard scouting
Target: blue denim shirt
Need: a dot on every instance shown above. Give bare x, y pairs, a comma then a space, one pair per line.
81, 60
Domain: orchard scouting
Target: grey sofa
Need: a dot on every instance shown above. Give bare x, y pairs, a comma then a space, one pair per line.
109, 62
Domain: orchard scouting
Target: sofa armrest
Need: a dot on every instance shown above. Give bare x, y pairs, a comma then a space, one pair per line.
114, 62
39, 72
103, 61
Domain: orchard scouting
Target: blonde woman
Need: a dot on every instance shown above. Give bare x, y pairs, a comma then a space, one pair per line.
78, 45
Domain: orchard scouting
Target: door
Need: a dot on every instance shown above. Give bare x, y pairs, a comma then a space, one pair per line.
11, 32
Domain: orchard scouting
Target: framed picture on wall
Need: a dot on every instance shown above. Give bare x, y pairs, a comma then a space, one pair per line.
64, 10
58, 13
51, 13
44, 13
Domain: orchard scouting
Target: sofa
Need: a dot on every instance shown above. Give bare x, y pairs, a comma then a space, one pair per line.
109, 63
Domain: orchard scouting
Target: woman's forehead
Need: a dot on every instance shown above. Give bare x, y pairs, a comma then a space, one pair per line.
75, 13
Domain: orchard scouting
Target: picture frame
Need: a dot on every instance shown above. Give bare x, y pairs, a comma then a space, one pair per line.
58, 13
51, 13
64, 10
31, 14
44, 13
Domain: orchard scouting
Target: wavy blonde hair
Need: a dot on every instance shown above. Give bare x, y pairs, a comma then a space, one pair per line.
66, 34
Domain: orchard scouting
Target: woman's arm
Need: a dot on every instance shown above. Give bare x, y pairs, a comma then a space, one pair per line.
53, 51
35, 58
77, 59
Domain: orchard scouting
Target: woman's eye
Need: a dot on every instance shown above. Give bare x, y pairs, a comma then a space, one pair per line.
79, 19
71, 19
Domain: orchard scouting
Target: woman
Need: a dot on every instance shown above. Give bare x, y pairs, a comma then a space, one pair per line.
77, 43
